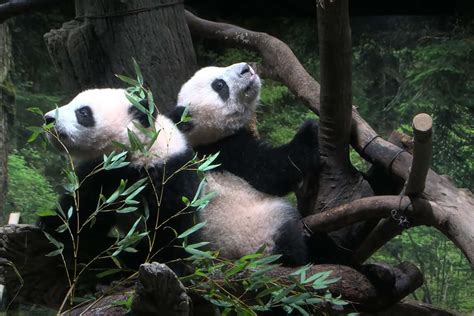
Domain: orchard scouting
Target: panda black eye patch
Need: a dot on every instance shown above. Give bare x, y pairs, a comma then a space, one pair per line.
221, 87
84, 116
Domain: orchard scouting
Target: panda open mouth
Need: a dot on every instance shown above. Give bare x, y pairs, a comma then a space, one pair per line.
251, 84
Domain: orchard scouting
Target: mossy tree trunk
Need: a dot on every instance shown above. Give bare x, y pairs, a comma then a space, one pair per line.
6, 110
107, 34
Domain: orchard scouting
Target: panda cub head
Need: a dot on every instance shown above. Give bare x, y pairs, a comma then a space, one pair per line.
220, 101
95, 120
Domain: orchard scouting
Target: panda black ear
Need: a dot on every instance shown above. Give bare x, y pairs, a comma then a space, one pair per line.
176, 116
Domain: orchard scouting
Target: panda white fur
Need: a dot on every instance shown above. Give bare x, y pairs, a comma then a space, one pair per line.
87, 128
247, 211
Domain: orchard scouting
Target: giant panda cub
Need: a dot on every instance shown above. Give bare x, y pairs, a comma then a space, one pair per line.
87, 128
247, 211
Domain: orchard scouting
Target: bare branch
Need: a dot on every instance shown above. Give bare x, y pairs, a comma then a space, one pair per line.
16, 7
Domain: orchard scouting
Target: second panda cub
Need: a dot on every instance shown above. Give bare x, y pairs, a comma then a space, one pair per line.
246, 212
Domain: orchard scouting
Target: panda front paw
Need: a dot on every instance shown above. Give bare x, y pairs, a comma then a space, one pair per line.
306, 146
307, 134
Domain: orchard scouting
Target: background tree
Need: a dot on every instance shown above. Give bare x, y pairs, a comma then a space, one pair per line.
6, 109
106, 35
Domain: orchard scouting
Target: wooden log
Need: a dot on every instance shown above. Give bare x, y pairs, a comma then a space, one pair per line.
422, 149
29, 276
162, 292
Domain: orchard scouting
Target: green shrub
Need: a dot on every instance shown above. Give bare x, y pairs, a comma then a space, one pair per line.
28, 189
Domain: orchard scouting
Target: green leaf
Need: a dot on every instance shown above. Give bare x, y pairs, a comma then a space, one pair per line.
136, 103
135, 142
56, 243
206, 165
251, 256
54, 253
128, 80
191, 230
62, 228
116, 262
283, 293
134, 186
35, 110
198, 253
268, 291
261, 271
185, 200
46, 213
295, 299
314, 301
266, 260
132, 230
236, 269
107, 273
184, 116
138, 71
131, 196
33, 137
199, 244
126, 210
69, 212
301, 310
130, 249
318, 276
113, 197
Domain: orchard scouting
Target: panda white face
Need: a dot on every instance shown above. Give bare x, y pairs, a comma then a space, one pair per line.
220, 100
88, 126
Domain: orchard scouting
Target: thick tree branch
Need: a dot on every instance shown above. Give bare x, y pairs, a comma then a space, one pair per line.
359, 210
456, 206
16, 7
336, 82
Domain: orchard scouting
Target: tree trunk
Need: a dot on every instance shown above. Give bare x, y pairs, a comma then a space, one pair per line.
6, 110
106, 35
339, 182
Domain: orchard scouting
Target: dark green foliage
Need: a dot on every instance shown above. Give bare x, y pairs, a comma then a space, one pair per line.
449, 279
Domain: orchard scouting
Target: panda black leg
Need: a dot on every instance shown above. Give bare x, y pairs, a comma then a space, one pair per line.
290, 243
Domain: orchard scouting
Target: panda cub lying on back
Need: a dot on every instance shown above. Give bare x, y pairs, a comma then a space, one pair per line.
221, 102
86, 128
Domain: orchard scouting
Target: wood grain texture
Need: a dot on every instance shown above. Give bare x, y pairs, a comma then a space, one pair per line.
102, 41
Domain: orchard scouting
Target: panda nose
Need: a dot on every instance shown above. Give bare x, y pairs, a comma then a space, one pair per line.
49, 119
245, 68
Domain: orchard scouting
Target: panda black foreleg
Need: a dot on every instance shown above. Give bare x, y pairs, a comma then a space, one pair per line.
279, 170
291, 243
